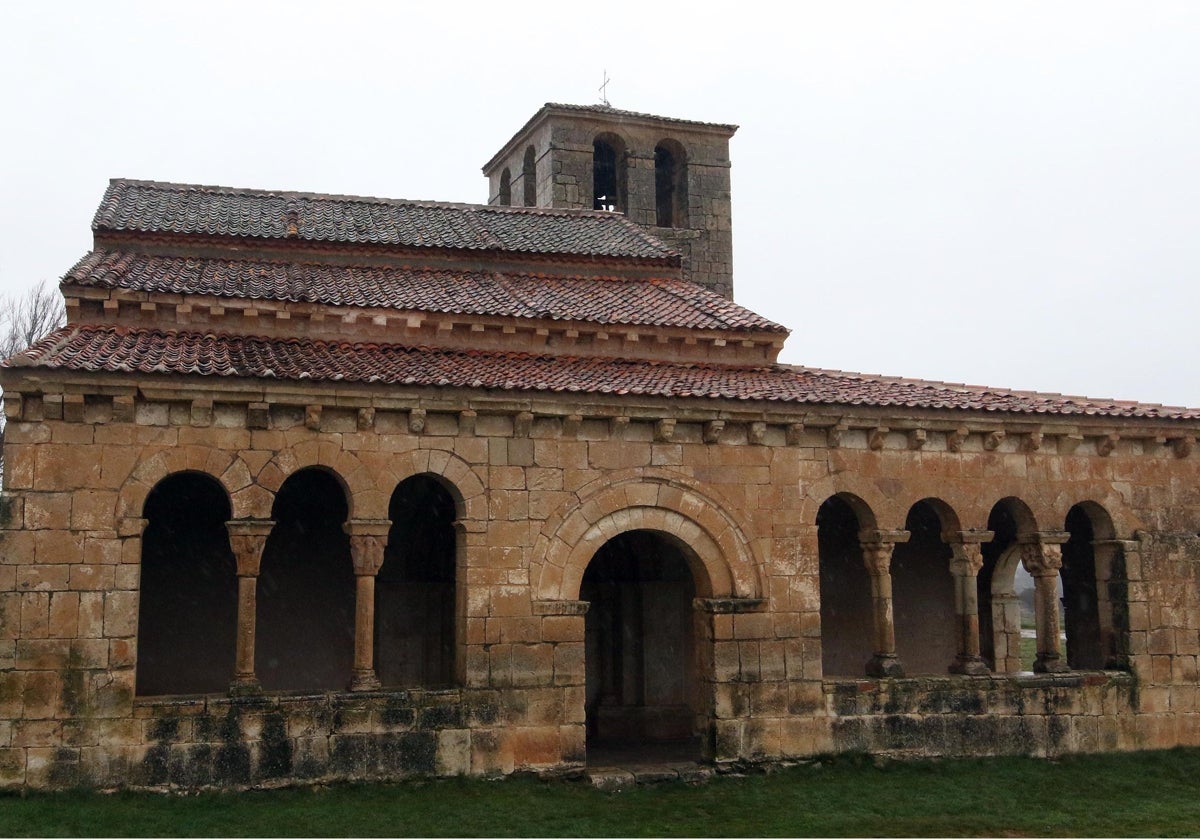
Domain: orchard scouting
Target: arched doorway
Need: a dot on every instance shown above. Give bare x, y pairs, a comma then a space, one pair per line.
640, 645
923, 592
414, 591
187, 609
846, 620
305, 622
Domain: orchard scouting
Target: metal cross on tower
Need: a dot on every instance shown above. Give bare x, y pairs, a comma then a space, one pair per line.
604, 89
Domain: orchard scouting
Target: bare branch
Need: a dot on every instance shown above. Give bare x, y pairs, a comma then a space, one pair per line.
25, 319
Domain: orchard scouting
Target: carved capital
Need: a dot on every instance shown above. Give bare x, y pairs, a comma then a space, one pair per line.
368, 538
1042, 555
966, 558
247, 539
877, 548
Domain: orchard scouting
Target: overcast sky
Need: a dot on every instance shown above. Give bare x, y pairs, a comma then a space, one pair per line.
1001, 193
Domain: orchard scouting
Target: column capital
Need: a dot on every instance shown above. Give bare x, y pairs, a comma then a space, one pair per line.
1041, 558
368, 538
966, 558
248, 538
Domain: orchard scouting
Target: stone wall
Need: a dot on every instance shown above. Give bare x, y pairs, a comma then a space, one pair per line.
540, 486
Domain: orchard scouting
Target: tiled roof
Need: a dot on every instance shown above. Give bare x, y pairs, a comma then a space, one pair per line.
153, 207
658, 302
129, 350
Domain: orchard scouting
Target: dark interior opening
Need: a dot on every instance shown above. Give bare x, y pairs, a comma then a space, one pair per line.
1081, 614
846, 621
529, 177
608, 174
187, 609
305, 633
414, 592
670, 185
923, 595
640, 642
505, 188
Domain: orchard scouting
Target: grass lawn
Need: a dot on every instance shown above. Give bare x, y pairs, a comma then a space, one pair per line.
1138, 794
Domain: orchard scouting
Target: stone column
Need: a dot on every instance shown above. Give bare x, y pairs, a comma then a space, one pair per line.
877, 555
367, 540
1041, 555
247, 538
965, 563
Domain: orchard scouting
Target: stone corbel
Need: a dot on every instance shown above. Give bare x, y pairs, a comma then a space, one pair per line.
522, 424
956, 439
416, 421
877, 437
756, 433
202, 412
366, 419
14, 404
793, 434
312, 417
664, 430
571, 425
1032, 442
833, 435
1105, 444
993, 439
917, 438
258, 415
1182, 447
712, 431
617, 426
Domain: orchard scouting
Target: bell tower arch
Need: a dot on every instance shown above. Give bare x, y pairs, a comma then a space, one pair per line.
670, 176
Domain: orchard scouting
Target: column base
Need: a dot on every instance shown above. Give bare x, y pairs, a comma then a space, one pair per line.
884, 665
364, 681
245, 687
1053, 664
972, 666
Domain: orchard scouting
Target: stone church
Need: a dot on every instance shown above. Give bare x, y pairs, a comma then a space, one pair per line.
321, 486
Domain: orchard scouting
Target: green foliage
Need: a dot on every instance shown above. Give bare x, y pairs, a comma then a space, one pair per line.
1110, 795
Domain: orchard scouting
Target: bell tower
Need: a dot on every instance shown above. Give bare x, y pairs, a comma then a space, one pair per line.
668, 175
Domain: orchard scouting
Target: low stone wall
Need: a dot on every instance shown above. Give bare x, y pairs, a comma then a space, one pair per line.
1022, 714
193, 742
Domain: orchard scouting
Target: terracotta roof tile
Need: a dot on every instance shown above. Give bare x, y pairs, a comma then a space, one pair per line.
659, 302
153, 207
143, 351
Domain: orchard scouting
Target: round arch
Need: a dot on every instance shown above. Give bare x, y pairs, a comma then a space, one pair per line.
724, 561
226, 468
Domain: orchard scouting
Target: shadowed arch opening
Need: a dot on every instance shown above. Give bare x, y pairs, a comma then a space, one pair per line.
187, 607
415, 588
923, 592
846, 618
609, 175
306, 588
529, 177
1007, 639
505, 197
640, 642
1094, 590
670, 185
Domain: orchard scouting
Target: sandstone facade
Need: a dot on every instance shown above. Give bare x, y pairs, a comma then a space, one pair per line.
299, 495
